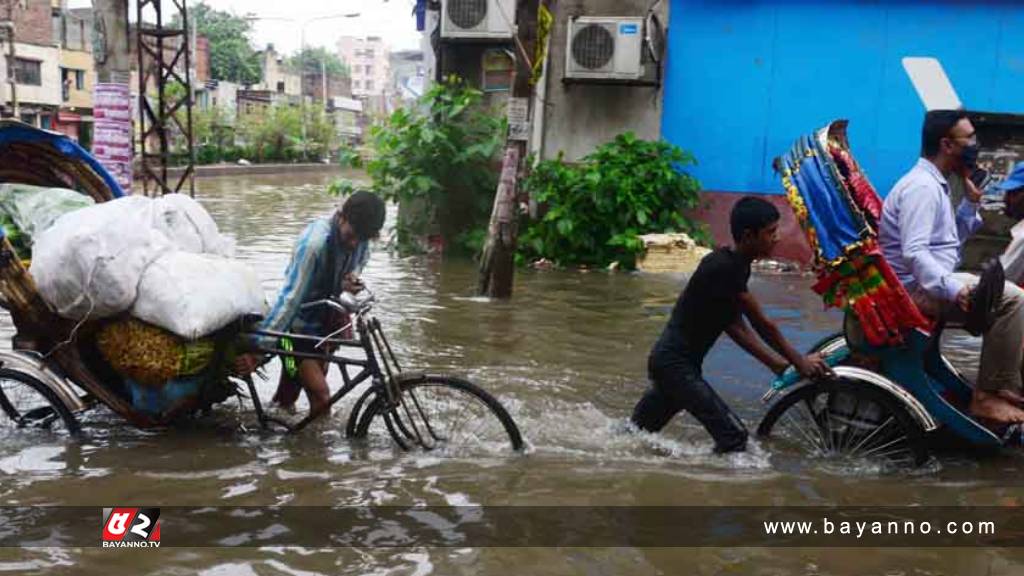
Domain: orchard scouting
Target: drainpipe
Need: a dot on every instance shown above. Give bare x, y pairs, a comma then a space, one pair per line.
11, 62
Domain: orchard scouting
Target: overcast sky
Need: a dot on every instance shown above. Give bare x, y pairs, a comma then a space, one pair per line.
391, 19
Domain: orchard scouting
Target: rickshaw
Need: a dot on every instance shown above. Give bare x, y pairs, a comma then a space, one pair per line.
53, 375
894, 396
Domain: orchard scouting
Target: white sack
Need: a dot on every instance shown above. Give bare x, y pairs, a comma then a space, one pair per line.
187, 224
193, 295
89, 261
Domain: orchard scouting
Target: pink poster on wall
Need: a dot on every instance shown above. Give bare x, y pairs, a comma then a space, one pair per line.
112, 131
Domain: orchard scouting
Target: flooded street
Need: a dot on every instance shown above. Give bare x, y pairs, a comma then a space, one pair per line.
567, 356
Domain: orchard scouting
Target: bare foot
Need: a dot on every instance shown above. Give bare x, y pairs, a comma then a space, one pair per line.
1012, 397
993, 407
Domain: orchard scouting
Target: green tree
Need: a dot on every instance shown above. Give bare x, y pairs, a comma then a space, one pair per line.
440, 155
232, 57
311, 60
274, 134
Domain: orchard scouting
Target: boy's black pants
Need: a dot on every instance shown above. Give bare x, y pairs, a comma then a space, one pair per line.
679, 385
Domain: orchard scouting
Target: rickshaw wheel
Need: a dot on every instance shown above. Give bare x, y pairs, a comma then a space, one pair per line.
27, 403
846, 420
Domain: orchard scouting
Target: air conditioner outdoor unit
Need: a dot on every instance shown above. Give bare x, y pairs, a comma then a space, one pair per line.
483, 19
603, 48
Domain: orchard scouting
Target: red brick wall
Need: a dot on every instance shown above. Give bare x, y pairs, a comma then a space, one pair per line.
34, 23
792, 243
202, 57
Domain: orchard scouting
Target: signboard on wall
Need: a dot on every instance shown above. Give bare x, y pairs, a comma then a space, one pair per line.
112, 131
518, 118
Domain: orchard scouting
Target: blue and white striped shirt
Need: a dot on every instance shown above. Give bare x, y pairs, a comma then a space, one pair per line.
307, 278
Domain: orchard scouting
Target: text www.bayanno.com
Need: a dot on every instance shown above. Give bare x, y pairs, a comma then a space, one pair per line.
860, 529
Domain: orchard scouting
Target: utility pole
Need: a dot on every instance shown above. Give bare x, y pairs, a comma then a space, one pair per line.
111, 49
12, 58
497, 263
112, 111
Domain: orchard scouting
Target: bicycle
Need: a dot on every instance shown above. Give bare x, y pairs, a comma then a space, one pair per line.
419, 410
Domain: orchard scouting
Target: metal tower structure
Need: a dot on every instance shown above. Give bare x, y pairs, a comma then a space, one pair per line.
165, 94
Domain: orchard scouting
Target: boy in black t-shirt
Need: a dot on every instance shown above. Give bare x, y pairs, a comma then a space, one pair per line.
716, 300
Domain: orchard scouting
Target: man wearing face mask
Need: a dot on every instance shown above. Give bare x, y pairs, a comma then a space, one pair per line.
922, 235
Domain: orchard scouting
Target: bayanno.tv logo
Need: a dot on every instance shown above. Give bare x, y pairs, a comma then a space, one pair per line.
131, 527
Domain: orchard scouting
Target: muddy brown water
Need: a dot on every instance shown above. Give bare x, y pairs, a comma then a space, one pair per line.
567, 356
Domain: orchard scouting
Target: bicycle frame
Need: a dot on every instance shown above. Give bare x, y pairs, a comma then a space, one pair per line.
380, 366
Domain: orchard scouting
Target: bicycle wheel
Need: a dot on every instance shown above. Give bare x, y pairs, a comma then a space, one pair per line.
28, 404
444, 413
847, 421
829, 344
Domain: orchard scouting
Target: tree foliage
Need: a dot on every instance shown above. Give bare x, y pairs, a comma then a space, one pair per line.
232, 57
309, 60
595, 210
440, 155
275, 134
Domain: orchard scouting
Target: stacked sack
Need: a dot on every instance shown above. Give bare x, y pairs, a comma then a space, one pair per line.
160, 270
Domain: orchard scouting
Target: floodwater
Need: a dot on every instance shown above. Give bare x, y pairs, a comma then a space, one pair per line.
567, 356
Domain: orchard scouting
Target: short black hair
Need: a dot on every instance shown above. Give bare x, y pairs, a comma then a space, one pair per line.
364, 211
937, 124
752, 213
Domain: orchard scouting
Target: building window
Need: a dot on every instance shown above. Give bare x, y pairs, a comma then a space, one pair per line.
280, 87
65, 84
27, 72
498, 71
368, 69
79, 79
369, 84
58, 27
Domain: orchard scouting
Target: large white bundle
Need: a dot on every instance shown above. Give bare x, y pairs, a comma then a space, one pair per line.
193, 295
187, 224
89, 261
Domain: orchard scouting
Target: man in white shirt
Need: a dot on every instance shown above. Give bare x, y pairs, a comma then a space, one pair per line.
922, 235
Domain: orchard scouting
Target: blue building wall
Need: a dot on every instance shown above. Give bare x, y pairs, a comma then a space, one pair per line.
744, 79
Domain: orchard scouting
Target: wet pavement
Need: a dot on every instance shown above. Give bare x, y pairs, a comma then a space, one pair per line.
566, 356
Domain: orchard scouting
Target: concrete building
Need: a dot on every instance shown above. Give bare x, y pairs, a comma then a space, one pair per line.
367, 60
201, 60
77, 79
219, 94
743, 82
36, 66
314, 85
736, 83
348, 113
278, 77
408, 75
487, 65
577, 116
77, 75
569, 116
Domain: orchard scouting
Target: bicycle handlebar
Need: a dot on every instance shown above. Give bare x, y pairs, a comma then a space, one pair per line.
345, 302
